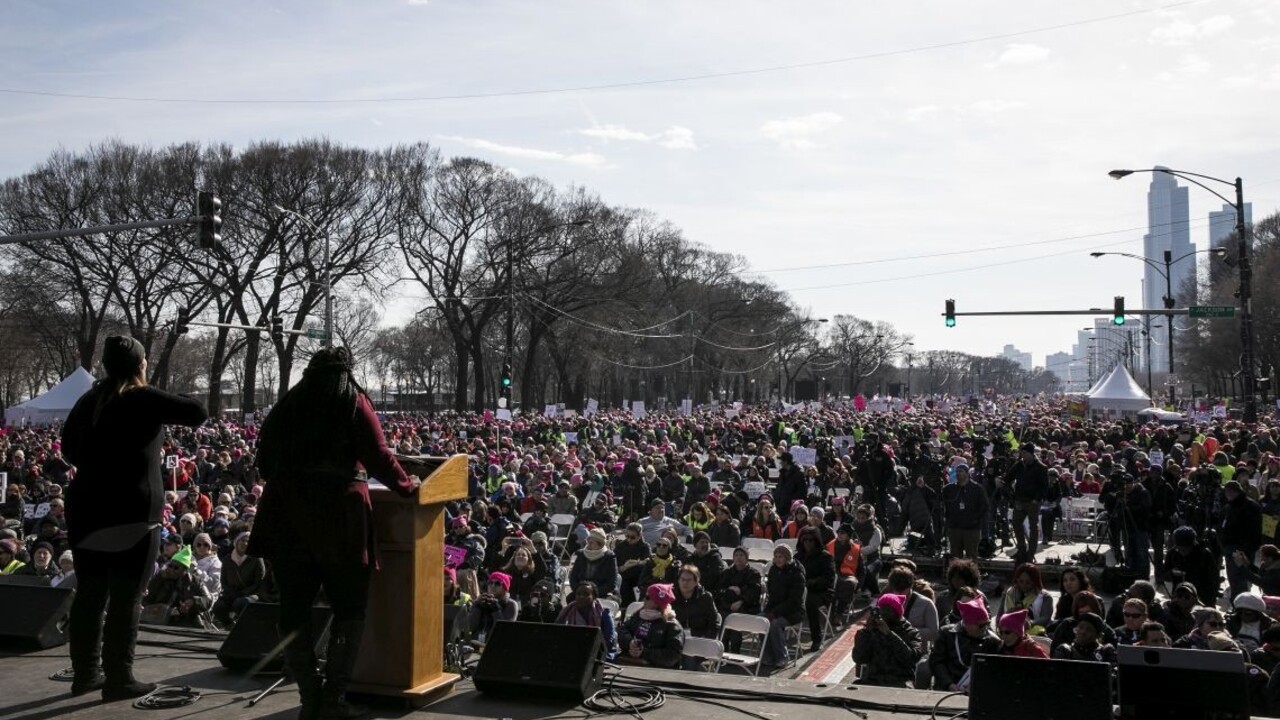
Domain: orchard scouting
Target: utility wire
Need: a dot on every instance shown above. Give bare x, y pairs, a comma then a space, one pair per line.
613, 85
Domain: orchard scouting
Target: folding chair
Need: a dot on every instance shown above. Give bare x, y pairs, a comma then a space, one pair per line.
564, 523
747, 625
632, 608
611, 605
710, 652
761, 543
789, 542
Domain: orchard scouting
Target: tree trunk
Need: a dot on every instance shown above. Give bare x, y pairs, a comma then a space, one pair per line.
477, 361
460, 377
216, 367
249, 389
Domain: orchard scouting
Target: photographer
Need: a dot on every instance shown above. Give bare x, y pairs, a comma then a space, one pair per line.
1190, 561
494, 605
888, 648
965, 503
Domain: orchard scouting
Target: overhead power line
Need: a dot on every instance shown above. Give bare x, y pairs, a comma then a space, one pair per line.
606, 86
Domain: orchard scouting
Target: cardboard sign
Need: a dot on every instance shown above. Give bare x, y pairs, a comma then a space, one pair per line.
755, 489
1157, 459
686, 407
637, 409
804, 456
593, 406
503, 414
171, 462
454, 556
570, 437
550, 410
617, 439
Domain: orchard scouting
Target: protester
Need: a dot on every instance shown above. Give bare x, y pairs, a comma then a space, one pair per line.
888, 648
652, 635
113, 436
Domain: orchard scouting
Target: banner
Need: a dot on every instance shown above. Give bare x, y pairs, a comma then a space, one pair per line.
637, 409
686, 406
550, 410
504, 414
570, 437
593, 406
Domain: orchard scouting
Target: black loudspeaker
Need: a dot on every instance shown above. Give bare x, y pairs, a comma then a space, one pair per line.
1182, 684
34, 614
548, 662
1003, 687
257, 633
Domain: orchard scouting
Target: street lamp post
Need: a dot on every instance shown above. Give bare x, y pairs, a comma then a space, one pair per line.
1246, 280
1169, 301
328, 272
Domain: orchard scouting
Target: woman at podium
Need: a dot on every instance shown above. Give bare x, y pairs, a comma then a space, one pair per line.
315, 520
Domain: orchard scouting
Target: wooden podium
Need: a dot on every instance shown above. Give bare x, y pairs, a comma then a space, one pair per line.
402, 654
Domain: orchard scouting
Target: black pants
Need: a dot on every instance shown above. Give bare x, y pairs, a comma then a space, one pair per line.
346, 586
813, 602
112, 582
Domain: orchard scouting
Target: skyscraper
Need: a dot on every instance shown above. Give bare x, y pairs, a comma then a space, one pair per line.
1223, 222
1168, 229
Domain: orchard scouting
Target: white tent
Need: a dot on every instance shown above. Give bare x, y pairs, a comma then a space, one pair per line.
53, 405
1117, 395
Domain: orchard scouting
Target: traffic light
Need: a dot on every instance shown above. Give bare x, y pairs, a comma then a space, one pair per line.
184, 317
951, 313
506, 378
277, 329
209, 209
1117, 317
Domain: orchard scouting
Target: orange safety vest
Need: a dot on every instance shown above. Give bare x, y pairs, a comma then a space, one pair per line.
847, 565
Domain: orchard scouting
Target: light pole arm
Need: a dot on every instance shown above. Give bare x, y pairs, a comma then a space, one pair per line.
328, 271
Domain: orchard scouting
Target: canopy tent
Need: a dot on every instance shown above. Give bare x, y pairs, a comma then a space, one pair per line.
1117, 395
53, 405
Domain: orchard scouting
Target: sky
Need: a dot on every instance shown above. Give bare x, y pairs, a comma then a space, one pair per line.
871, 159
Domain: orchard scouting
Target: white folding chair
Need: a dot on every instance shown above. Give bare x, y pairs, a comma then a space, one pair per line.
747, 625
727, 553
563, 522
611, 605
710, 652
524, 517
789, 542
750, 542
632, 608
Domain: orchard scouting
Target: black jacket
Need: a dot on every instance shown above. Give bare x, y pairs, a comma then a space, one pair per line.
966, 506
663, 643
750, 586
725, 534
819, 572
888, 659
697, 615
709, 566
953, 653
118, 479
792, 486
603, 571
1242, 524
1031, 481
786, 590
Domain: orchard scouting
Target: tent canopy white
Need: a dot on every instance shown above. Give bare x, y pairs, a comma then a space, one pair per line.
1118, 394
53, 405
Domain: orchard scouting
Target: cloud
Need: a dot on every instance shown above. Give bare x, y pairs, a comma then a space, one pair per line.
922, 113
674, 137
1194, 65
795, 133
583, 159
1022, 54
1184, 32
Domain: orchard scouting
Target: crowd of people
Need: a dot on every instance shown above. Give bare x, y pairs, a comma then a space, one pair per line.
658, 528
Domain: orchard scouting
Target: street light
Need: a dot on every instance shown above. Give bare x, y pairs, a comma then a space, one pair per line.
1246, 278
1169, 302
328, 272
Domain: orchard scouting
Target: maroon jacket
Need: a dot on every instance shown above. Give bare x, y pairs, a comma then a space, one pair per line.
307, 517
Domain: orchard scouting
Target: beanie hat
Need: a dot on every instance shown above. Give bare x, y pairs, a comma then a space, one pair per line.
539, 536
1093, 619
182, 557
1187, 587
799, 505
451, 573
502, 579
894, 603
1015, 621
1249, 601
458, 522
1184, 536
661, 594
973, 612
122, 356
597, 534
10, 546
1221, 641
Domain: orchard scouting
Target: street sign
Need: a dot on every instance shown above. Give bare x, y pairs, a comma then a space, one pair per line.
1212, 311
316, 334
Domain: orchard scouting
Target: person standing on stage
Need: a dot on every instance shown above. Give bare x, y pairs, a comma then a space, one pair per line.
314, 521
115, 502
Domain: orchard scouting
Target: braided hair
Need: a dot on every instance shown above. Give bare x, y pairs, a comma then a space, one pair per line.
312, 418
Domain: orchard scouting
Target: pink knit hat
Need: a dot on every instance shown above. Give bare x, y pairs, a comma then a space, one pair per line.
661, 594
1014, 621
895, 603
973, 612
503, 578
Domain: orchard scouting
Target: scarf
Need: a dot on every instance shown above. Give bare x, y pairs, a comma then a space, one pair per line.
573, 614
660, 565
593, 555
650, 615
237, 558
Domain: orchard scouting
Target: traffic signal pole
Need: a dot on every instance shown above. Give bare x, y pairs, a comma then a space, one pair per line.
96, 230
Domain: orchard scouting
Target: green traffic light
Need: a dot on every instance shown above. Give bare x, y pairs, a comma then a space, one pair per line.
506, 382
1118, 320
951, 322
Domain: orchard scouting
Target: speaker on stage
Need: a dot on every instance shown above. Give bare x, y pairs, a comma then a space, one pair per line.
34, 614
1004, 687
257, 633
533, 660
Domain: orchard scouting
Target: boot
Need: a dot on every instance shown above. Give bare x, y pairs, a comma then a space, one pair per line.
86, 680
344, 644
300, 663
118, 644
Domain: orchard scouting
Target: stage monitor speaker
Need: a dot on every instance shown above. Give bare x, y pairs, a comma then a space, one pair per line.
1182, 684
1004, 687
34, 614
548, 662
257, 633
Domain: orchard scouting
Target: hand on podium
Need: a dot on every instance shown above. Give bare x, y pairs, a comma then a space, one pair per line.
416, 482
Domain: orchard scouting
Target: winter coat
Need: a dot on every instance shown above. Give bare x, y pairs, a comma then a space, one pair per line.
819, 572
725, 534
749, 584
785, 592
697, 614
709, 566
603, 571
663, 640
966, 507
888, 659
953, 653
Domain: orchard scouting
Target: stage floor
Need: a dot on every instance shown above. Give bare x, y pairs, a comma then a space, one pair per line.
27, 693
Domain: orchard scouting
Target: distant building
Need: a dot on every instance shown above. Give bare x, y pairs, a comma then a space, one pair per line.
1168, 229
1223, 222
1023, 359
1060, 364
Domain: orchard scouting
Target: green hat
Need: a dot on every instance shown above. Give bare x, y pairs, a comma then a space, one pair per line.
182, 557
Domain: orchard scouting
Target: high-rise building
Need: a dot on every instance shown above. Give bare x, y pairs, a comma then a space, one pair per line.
1168, 230
1223, 222
1060, 364
1022, 358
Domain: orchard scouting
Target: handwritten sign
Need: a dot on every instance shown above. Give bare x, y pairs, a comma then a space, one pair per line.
804, 456
570, 438
454, 556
